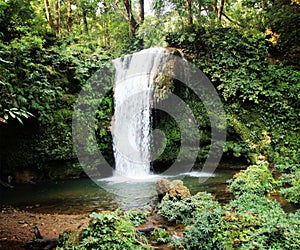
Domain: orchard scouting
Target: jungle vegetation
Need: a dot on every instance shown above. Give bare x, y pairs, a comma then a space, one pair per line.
249, 49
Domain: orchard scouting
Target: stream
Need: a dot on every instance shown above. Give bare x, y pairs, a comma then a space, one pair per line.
84, 195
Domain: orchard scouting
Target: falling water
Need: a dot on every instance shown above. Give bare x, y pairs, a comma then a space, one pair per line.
133, 95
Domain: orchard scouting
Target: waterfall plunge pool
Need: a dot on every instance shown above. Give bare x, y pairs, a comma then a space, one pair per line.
83, 195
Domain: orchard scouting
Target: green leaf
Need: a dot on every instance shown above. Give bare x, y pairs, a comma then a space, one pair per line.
19, 119
12, 114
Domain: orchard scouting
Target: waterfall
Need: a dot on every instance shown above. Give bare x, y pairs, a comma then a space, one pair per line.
131, 126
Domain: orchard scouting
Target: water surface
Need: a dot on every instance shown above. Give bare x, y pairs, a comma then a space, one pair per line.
84, 195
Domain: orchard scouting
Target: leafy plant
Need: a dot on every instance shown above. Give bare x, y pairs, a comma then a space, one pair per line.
250, 221
16, 113
253, 222
107, 230
256, 179
185, 210
292, 192
137, 217
160, 236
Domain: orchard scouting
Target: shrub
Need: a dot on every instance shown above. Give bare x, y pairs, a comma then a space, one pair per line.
256, 179
202, 234
160, 236
250, 221
108, 230
136, 217
185, 210
254, 222
292, 193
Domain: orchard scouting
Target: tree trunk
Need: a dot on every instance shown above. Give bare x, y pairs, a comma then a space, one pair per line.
188, 4
220, 10
69, 16
215, 8
48, 15
133, 25
199, 11
106, 39
86, 28
57, 13
141, 11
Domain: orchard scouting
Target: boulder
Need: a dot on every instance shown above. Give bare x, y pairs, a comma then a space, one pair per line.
162, 187
174, 189
178, 190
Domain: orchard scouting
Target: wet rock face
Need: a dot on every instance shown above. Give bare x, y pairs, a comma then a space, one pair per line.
174, 189
162, 187
178, 190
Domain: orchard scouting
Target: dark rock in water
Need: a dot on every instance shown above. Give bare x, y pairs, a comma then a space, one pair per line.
162, 187
174, 189
40, 242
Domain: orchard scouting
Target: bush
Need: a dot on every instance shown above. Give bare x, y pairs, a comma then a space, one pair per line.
160, 236
202, 234
292, 192
185, 210
108, 230
136, 217
250, 221
253, 222
256, 179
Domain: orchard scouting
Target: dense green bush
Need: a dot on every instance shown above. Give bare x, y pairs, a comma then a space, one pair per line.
253, 222
256, 179
40, 81
137, 217
185, 210
202, 234
292, 181
108, 230
160, 236
261, 100
250, 221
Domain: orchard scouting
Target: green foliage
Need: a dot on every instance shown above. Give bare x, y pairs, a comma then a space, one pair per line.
283, 19
107, 230
261, 100
137, 217
250, 221
256, 179
160, 236
253, 222
184, 211
291, 182
202, 234
16, 113
15, 18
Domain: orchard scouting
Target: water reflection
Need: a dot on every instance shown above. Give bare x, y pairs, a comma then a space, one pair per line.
84, 195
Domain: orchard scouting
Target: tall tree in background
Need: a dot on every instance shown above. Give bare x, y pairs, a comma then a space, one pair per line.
188, 4
49, 15
58, 20
141, 11
220, 10
69, 16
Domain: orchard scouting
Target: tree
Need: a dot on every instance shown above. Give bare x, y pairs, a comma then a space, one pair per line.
141, 11
69, 16
49, 15
220, 10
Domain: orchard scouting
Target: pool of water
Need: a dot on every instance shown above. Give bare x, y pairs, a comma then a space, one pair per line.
85, 195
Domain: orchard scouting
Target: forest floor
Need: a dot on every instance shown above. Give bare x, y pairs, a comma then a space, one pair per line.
16, 226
